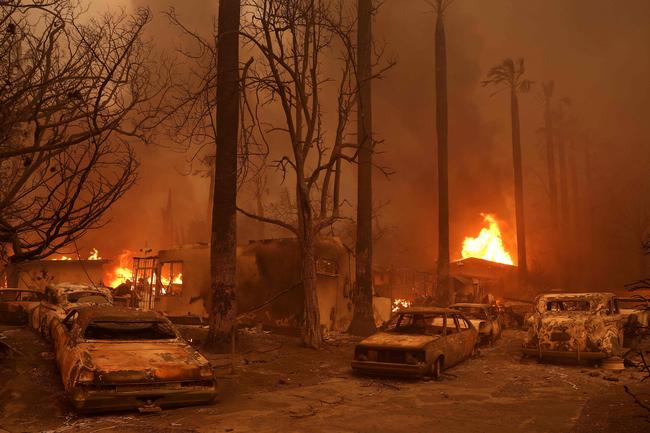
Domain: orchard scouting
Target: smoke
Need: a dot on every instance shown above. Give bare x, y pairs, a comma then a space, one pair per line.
594, 50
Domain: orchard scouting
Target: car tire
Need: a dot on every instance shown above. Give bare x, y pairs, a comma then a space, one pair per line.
436, 368
475, 351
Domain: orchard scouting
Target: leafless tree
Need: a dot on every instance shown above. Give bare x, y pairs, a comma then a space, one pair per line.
73, 97
291, 39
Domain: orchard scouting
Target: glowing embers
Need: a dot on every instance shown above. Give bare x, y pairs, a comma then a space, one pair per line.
488, 245
398, 304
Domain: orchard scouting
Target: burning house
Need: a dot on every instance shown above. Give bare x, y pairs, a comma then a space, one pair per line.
268, 283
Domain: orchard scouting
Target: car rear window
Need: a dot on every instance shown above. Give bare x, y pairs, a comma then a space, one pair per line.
18, 295
129, 331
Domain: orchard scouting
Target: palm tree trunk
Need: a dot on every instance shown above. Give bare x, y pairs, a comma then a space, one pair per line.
519, 191
564, 210
223, 248
363, 322
443, 282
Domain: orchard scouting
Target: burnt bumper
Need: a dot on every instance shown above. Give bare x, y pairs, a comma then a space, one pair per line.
88, 399
390, 369
564, 354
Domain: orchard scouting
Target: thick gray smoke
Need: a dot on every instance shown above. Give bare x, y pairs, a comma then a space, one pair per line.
594, 50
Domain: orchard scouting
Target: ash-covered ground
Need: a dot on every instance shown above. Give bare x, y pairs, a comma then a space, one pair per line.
279, 386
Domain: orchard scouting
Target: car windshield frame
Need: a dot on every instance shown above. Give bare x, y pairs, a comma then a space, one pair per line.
123, 324
468, 312
564, 306
425, 326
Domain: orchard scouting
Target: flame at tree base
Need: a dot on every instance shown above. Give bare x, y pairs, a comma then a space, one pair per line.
488, 245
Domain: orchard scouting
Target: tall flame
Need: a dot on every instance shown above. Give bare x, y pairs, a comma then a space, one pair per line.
122, 272
488, 245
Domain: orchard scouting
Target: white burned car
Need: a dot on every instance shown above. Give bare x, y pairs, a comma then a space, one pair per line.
61, 298
484, 318
576, 325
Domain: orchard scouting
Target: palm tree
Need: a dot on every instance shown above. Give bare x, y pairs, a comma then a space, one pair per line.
223, 248
443, 282
509, 76
363, 322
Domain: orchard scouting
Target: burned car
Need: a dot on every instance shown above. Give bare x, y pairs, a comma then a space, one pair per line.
117, 358
484, 318
575, 325
16, 305
418, 341
59, 299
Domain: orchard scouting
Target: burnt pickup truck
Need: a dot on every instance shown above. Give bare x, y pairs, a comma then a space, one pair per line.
115, 358
576, 325
418, 341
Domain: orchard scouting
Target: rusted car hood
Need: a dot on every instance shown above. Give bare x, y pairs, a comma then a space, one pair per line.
116, 362
398, 341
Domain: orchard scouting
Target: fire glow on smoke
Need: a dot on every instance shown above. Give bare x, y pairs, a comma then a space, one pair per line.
488, 245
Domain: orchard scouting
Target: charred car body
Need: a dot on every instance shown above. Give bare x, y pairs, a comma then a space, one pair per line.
417, 342
115, 358
16, 305
60, 299
484, 318
576, 325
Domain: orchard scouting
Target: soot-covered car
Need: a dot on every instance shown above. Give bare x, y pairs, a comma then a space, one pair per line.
576, 325
61, 298
484, 318
417, 342
116, 358
16, 305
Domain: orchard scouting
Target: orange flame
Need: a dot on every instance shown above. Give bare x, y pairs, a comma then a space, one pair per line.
94, 255
64, 258
488, 245
398, 304
122, 272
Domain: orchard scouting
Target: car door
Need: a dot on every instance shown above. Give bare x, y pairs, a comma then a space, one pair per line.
62, 331
468, 336
453, 342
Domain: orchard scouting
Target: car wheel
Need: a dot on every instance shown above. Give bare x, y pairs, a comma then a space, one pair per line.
436, 369
475, 351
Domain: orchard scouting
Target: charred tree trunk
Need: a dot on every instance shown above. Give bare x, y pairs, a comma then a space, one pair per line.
522, 265
443, 281
363, 322
223, 248
311, 330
